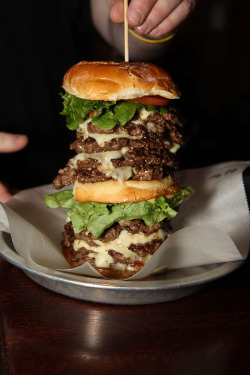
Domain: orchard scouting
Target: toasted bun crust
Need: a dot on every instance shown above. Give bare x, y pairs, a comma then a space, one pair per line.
111, 273
108, 80
113, 191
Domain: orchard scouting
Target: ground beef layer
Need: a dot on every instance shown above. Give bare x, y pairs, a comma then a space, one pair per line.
149, 154
82, 255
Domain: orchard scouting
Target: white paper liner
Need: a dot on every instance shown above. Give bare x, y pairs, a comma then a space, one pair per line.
211, 227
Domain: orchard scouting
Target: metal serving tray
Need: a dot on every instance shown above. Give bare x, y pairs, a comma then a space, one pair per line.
167, 286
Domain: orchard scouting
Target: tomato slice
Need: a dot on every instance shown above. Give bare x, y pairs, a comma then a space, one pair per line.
154, 100
138, 263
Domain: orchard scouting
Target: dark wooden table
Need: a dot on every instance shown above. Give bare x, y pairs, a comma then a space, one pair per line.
207, 333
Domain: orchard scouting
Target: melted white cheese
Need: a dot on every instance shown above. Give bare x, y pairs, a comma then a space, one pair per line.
120, 244
151, 127
106, 166
138, 122
120, 174
175, 147
101, 139
83, 128
143, 113
104, 158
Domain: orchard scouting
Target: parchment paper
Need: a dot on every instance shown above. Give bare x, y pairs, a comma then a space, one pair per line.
211, 227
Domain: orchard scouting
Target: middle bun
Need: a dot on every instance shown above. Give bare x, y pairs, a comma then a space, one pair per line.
113, 191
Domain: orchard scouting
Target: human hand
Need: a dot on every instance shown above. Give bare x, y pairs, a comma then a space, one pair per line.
155, 18
10, 143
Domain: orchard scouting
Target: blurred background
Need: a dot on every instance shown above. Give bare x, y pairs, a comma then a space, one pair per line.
209, 59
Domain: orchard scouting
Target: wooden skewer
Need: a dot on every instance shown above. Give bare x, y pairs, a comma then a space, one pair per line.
126, 49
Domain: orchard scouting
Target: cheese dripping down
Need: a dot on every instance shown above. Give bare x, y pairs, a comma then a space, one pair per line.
104, 159
104, 163
121, 245
101, 139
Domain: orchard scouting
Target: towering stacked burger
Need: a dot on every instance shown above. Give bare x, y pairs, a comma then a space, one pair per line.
124, 190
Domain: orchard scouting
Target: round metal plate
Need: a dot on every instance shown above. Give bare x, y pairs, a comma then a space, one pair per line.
167, 286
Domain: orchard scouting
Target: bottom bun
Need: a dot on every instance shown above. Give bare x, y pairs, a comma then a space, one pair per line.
113, 191
111, 273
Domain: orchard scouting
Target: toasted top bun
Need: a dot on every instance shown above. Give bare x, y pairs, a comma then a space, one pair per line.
113, 191
108, 80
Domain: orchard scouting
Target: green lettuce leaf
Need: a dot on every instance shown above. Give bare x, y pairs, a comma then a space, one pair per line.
77, 109
118, 114
110, 113
96, 217
181, 196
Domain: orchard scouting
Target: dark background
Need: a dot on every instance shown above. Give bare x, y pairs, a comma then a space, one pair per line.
209, 59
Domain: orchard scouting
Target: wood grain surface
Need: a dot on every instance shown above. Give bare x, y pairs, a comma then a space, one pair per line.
46, 333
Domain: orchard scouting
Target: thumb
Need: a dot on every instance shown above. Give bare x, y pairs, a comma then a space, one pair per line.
12, 142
